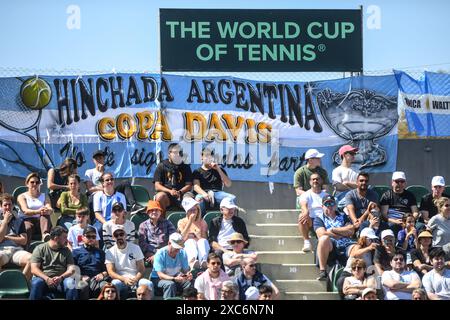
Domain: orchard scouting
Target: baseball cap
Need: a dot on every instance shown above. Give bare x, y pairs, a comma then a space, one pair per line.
89, 229
347, 148
313, 153
369, 233
176, 240
152, 204
228, 203
398, 175
438, 181
328, 199
117, 227
118, 204
387, 232
188, 203
368, 290
98, 153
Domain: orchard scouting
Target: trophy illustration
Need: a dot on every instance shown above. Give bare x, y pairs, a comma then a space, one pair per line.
360, 116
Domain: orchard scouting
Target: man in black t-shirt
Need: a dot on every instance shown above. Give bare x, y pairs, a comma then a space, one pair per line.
172, 179
209, 180
427, 207
398, 201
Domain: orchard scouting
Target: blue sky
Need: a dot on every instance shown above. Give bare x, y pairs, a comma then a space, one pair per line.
124, 34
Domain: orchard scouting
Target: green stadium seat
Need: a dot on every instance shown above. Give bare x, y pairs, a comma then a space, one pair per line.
335, 279
13, 284
175, 216
137, 219
17, 191
447, 190
380, 189
140, 194
33, 245
209, 216
174, 298
418, 191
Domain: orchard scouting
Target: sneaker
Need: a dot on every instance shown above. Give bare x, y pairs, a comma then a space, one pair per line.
306, 246
322, 275
136, 208
211, 198
45, 237
195, 265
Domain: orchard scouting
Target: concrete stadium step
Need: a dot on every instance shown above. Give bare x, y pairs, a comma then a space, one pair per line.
290, 271
311, 285
284, 257
270, 216
304, 295
273, 229
282, 243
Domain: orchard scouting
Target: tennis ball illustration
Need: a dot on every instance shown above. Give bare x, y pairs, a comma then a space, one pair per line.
35, 93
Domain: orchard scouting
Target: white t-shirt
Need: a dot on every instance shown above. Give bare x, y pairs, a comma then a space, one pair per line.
94, 175
125, 260
341, 174
405, 276
313, 201
74, 236
226, 230
33, 204
438, 284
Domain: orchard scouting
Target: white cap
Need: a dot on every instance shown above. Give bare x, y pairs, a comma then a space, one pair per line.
369, 233
313, 153
387, 232
368, 290
438, 181
252, 293
398, 175
188, 203
176, 240
228, 203
118, 227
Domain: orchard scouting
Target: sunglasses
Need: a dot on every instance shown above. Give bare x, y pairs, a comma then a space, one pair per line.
91, 237
399, 259
329, 204
235, 241
117, 210
227, 291
252, 265
357, 268
399, 181
180, 153
215, 263
34, 182
351, 153
446, 205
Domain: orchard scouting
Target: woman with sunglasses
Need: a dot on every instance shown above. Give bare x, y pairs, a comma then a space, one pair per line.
58, 180
71, 202
233, 259
109, 292
195, 234
440, 223
355, 284
35, 208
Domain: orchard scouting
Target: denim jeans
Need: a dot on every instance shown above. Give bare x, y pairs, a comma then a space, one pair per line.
171, 288
218, 197
40, 290
124, 290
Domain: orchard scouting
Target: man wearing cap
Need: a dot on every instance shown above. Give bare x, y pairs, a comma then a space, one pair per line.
154, 233
311, 205
209, 180
343, 176
398, 201
399, 283
93, 183
222, 228
125, 263
334, 232
232, 259
171, 268
437, 281
91, 261
385, 252
52, 266
427, 207
172, 178
303, 174
118, 217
